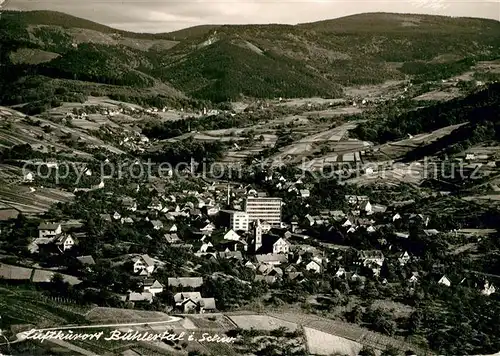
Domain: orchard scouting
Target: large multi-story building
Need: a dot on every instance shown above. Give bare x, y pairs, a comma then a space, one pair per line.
235, 219
264, 209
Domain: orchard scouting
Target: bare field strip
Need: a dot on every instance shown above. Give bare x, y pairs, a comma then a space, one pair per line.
261, 322
321, 343
103, 314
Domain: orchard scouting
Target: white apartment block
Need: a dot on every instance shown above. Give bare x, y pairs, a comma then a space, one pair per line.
238, 220
264, 209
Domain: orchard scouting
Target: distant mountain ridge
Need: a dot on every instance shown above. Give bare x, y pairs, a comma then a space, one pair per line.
227, 62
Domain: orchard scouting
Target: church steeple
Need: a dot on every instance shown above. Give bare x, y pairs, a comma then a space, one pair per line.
257, 231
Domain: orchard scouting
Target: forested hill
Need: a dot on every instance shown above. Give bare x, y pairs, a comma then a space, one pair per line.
479, 113
221, 63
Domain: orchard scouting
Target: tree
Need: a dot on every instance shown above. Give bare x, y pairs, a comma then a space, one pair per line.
390, 351
367, 351
58, 285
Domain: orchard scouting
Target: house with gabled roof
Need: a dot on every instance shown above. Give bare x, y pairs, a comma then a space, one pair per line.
488, 289
49, 229
366, 207
155, 205
404, 258
143, 263
273, 259
371, 257
340, 272
444, 281
207, 228
172, 238
193, 301
152, 286
157, 224
313, 266
414, 278
144, 297
232, 235
129, 203
274, 245
171, 227
65, 242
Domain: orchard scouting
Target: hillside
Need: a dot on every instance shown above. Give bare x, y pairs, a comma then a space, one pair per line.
220, 63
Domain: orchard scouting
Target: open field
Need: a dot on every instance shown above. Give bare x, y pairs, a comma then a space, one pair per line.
115, 315
397, 149
321, 343
439, 95
305, 101
391, 87
19, 197
261, 322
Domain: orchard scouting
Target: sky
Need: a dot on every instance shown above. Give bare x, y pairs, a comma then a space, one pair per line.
170, 15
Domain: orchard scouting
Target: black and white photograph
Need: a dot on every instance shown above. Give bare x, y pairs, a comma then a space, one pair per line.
254, 177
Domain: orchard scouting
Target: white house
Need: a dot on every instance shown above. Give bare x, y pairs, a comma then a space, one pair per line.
445, 281
281, 246
143, 263
208, 228
171, 228
404, 258
116, 216
157, 224
212, 210
28, 177
152, 286
340, 272
414, 277
49, 229
305, 193
488, 289
347, 223
313, 266
65, 242
231, 235
372, 257
366, 206
98, 186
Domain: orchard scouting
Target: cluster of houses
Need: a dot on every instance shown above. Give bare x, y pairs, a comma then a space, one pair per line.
51, 235
221, 228
187, 297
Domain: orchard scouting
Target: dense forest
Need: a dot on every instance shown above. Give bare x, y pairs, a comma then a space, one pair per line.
263, 61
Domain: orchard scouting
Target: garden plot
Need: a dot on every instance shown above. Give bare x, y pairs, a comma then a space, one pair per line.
116, 315
321, 343
261, 322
